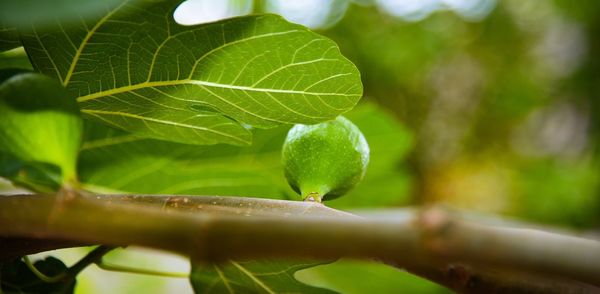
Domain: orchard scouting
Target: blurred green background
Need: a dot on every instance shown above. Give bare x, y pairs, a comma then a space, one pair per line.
501, 98
483, 105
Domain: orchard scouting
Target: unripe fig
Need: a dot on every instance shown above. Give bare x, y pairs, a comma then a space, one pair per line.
326, 160
40, 122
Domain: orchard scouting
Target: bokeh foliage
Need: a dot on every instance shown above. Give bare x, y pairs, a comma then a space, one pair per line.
503, 110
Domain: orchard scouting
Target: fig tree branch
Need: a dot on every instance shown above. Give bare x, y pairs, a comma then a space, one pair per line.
211, 229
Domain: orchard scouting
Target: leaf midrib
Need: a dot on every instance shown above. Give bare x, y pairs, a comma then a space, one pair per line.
144, 85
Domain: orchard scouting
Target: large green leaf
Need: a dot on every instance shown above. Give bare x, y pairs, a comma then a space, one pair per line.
118, 161
136, 69
251, 277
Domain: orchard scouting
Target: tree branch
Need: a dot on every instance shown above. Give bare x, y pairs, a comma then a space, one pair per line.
219, 228
12, 248
464, 278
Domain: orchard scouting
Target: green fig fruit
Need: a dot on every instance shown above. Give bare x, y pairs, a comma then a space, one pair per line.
326, 160
40, 122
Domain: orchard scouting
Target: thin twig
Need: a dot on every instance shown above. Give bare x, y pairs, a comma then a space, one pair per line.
92, 257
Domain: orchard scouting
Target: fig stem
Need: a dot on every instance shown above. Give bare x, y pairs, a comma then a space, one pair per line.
313, 197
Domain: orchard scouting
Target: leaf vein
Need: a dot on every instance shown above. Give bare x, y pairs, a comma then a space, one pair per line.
146, 119
86, 39
251, 276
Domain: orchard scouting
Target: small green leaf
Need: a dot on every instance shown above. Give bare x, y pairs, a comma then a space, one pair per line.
16, 277
251, 277
136, 69
40, 122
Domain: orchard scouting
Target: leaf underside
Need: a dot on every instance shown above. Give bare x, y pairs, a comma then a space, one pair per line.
251, 277
136, 69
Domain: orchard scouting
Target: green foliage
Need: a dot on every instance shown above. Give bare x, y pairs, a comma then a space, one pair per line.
356, 277
465, 89
40, 123
136, 69
567, 189
114, 161
9, 37
40, 177
251, 277
16, 277
326, 160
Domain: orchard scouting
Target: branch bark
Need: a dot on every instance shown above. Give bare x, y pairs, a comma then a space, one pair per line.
12, 248
219, 228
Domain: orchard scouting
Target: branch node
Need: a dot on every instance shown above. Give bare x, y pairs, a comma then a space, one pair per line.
436, 225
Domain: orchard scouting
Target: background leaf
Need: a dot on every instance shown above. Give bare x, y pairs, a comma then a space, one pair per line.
34, 175
9, 37
267, 276
366, 277
15, 58
40, 122
43, 178
112, 160
136, 69
116, 161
